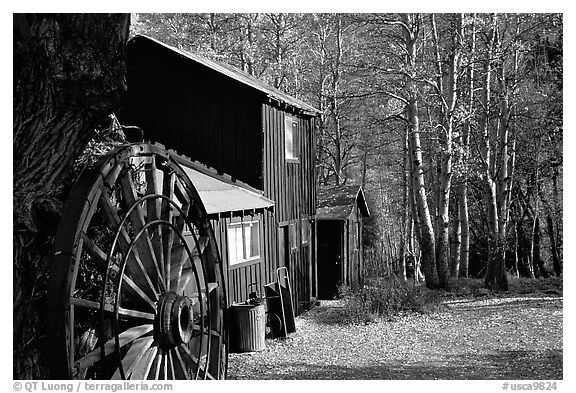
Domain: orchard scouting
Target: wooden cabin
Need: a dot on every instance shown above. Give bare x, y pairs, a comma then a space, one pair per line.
258, 136
339, 234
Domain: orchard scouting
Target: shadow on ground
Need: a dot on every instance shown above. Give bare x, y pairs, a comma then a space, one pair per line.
515, 365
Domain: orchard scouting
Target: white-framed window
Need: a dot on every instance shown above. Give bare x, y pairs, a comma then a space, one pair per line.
291, 138
243, 241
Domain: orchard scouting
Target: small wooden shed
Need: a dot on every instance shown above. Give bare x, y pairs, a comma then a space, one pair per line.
259, 136
339, 224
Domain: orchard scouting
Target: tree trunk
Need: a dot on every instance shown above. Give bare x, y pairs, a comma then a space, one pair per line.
456, 244
515, 271
463, 189
427, 241
69, 74
495, 277
554, 247
448, 103
538, 262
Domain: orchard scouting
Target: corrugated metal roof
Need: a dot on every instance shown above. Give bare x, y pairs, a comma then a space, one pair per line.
336, 202
239, 76
221, 197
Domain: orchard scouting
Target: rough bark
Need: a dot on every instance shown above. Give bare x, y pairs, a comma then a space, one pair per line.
68, 76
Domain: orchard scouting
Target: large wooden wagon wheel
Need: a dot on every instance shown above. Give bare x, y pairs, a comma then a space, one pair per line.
136, 288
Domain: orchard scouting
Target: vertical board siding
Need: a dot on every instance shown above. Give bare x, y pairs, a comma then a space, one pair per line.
233, 128
238, 279
292, 186
195, 111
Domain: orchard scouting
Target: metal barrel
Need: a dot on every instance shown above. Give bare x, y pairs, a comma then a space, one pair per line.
247, 328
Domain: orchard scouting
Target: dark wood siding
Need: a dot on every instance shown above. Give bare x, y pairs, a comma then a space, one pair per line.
194, 110
239, 277
234, 128
292, 185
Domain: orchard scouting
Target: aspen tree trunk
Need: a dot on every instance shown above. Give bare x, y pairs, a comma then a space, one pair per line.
334, 104
456, 242
553, 246
405, 212
69, 72
495, 277
427, 241
448, 96
515, 271
414, 225
463, 189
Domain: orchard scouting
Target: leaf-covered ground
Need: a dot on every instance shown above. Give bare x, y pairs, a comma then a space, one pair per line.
518, 336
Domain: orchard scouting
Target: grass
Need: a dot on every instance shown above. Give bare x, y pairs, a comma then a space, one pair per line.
384, 298
387, 297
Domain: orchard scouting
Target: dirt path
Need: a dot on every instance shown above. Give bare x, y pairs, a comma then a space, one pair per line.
468, 338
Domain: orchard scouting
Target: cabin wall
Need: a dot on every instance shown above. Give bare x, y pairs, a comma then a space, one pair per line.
235, 129
292, 185
239, 277
195, 111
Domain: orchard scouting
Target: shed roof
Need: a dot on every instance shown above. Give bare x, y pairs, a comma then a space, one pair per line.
236, 74
336, 202
221, 195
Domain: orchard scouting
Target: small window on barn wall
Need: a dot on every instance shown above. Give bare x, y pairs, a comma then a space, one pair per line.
243, 241
291, 138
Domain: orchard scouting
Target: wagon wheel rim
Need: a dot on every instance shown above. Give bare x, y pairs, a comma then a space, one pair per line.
161, 306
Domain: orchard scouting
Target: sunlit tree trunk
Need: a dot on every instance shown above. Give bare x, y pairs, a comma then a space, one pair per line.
448, 96
466, 131
495, 277
427, 241
456, 242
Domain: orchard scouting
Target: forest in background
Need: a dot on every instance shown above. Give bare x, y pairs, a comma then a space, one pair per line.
451, 122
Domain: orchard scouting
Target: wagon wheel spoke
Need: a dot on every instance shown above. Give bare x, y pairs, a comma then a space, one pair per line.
166, 214
153, 208
125, 338
144, 244
133, 356
142, 367
170, 366
135, 267
188, 269
180, 370
124, 313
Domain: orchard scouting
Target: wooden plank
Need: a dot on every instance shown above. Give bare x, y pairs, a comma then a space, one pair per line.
133, 356
125, 337
142, 367
122, 312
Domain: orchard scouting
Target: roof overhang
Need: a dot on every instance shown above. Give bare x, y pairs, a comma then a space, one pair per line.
343, 209
223, 198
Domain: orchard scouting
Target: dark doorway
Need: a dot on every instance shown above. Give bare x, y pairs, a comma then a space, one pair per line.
329, 258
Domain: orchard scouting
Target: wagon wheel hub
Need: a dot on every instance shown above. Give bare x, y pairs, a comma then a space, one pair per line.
173, 321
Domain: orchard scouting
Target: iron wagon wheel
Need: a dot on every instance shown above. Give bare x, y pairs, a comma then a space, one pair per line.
136, 288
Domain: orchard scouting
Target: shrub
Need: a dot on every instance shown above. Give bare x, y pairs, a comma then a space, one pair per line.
384, 297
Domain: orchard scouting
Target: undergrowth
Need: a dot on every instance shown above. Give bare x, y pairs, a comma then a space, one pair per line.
384, 298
